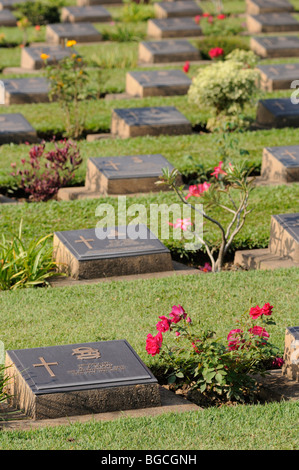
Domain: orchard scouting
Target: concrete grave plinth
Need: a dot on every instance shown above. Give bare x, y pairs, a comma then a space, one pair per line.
114, 251
7, 18
281, 164
173, 28
89, 14
10, 4
283, 249
277, 113
31, 56
177, 9
275, 46
278, 76
135, 122
26, 90
271, 22
77, 379
80, 32
157, 83
158, 52
257, 7
14, 128
290, 367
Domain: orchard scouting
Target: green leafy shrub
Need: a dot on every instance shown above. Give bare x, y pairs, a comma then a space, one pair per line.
225, 86
24, 265
41, 13
133, 12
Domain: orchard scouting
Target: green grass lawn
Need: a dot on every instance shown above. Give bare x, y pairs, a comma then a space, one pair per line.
45, 317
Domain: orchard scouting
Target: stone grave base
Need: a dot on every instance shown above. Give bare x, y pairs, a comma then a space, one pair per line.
255, 25
177, 269
262, 259
169, 403
72, 403
257, 8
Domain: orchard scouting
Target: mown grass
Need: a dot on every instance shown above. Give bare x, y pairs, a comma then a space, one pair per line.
129, 309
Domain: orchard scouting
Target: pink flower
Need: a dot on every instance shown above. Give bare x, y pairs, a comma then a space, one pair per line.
186, 67
266, 309
13, 165
218, 170
277, 362
177, 313
234, 339
197, 19
221, 16
195, 347
216, 52
259, 331
188, 320
181, 223
206, 268
197, 189
177, 333
164, 324
154, 343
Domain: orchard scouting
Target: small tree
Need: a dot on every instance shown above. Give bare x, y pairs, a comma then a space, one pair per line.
229, 191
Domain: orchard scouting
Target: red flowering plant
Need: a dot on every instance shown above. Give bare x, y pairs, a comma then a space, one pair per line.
45, 172
219, 370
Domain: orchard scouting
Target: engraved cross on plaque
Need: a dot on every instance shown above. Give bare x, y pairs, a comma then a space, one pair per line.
279, 105
86, 242
112, 164
46, 365
290, 154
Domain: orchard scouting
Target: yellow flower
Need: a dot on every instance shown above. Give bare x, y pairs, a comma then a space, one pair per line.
44, 56
71, 43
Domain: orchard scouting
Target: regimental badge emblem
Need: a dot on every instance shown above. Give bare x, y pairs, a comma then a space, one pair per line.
86, 352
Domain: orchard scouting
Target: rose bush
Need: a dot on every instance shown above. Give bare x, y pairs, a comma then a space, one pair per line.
217, 368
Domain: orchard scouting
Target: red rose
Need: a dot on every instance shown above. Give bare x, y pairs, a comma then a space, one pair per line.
221, 16
154, 343
234, 340
164, 324
255, 312
186, 67
266, 309
259, 331
216, 52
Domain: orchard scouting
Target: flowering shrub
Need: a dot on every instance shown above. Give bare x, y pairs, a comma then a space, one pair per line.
44, 173
216, 52
229, 190
223, 370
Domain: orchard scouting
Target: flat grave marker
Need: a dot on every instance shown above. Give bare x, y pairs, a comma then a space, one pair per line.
281, 164
80, 32
76, 379
125, 175
277, 113
14, 128
157, 83
283, 249
290, 367
89, 14
177, 9
134, 122
31, 56
278, 76
272, 22
26, 90
109, 252
157, 52
7, 18
10, 4
173, 28
257, 7
275, 46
